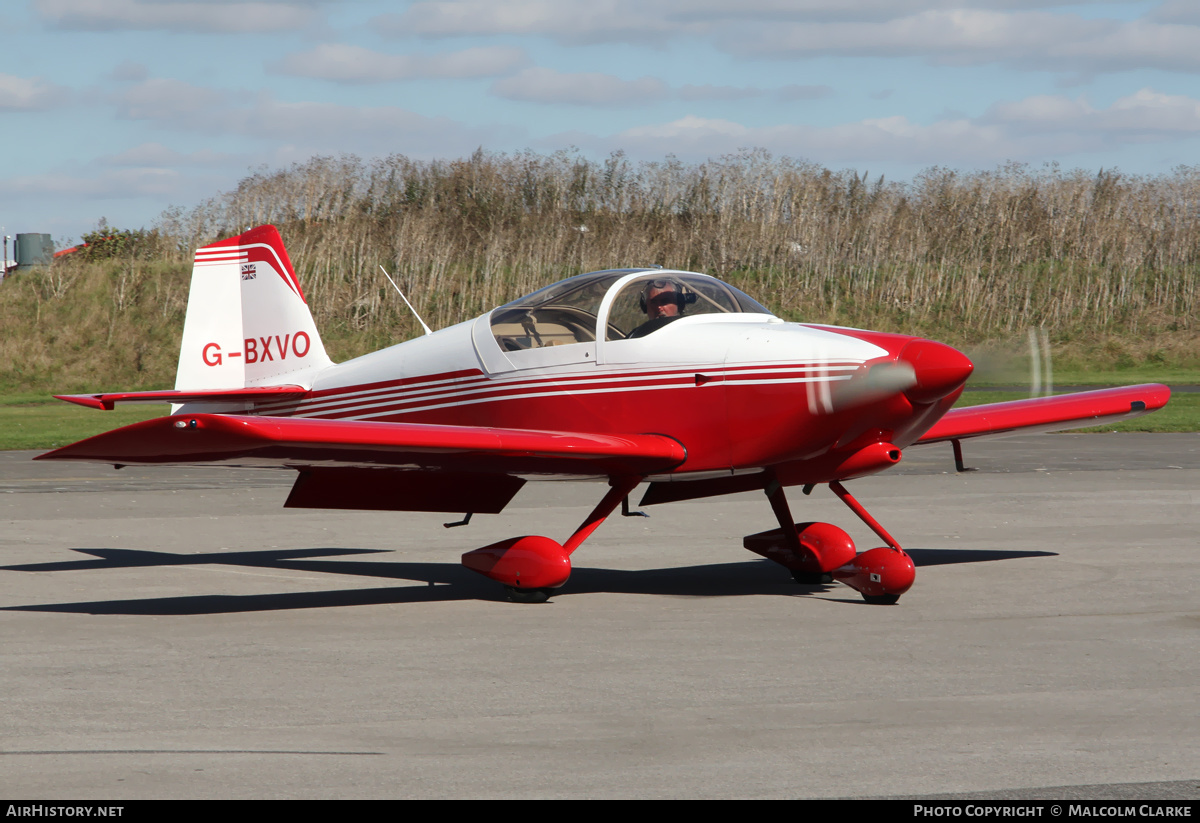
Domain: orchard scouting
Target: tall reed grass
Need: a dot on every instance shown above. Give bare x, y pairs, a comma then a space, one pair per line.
965, 257
973, 254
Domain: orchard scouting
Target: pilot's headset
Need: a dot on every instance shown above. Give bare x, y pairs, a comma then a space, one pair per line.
683, 296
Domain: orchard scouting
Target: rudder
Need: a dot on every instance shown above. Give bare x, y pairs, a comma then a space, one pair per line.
247, 322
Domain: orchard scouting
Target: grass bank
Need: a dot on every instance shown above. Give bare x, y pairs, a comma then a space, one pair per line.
30, 422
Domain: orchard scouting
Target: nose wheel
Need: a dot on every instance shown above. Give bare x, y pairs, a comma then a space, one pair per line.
818, 553
518, 595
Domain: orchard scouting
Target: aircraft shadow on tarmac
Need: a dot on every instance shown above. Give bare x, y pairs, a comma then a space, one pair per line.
445, 581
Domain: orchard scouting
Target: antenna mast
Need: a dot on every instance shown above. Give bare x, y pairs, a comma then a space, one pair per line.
405, 299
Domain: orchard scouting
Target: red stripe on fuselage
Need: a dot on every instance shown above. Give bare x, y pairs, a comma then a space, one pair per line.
666, 401
375, 399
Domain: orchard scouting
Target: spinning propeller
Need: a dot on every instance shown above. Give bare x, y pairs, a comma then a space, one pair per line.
925, 371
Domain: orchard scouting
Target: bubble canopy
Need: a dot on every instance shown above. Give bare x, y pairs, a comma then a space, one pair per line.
572, 310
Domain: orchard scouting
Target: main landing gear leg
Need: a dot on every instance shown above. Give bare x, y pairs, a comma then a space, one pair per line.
532, 568
879, 575
810, 551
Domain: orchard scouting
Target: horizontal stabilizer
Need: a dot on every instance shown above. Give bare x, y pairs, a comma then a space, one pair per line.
1043, 414
293, 442
247, 395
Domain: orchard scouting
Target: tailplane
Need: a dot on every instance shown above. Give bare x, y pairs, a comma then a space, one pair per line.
247, 321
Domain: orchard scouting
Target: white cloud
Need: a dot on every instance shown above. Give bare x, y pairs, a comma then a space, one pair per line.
1146, 114
654, 20
353, 64
574, 21
689, 128
1036, 34
164, 99
127, 71
1032, 129
1038, 40
795, 92
117, 184
67, 202
711, 92
156, 154
332, 128
273, 119
1177, 11
1043, 110
888, 140
176, 15
29, 93
305, 127
544, 85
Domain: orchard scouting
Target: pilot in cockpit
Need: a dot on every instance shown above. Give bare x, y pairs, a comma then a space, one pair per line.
663, 301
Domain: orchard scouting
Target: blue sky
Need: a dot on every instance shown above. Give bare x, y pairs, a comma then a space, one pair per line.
123, 108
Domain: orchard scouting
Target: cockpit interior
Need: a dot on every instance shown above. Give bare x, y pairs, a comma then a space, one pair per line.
572, 310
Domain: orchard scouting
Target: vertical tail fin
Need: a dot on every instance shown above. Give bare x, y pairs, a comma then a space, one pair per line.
247, 321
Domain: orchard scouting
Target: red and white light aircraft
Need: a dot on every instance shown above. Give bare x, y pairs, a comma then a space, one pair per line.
627, 375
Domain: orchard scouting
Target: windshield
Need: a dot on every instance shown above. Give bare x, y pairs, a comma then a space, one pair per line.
566, 312
649, 303
557, 315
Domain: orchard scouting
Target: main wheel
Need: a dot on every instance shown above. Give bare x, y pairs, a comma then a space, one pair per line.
882, 599
518, 595
812, 578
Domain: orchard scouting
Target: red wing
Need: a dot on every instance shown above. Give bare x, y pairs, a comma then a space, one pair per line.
1042, 414
295, 442
253, 393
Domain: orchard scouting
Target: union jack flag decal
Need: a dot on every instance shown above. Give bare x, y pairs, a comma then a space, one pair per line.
248, 272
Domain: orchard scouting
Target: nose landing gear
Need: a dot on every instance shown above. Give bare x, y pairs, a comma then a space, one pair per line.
822, 553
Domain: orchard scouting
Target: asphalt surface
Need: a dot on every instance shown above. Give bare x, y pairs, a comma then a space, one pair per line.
175, 633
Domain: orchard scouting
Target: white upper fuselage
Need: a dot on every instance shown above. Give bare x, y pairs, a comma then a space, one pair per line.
719, 382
